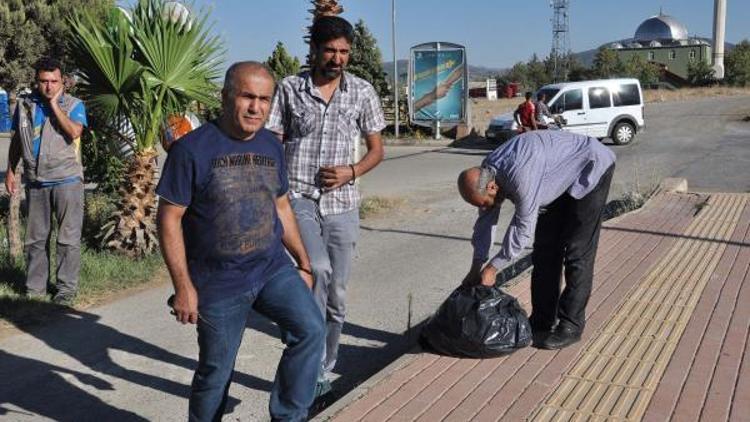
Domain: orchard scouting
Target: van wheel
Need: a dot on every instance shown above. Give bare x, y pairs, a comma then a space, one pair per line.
623, 133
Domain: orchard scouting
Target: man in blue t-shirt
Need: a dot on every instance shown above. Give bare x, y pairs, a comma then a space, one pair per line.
47, 128
224, 220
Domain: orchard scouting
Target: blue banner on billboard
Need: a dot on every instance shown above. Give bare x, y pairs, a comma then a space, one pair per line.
438, 83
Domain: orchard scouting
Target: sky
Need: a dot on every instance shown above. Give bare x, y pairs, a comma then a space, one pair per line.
496, 33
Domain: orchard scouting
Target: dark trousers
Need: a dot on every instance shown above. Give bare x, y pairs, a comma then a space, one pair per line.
567, 236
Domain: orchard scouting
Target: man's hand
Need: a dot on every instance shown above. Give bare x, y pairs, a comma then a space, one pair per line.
186, 305
334, 177
307, 278
56, 97
10, 183
489, 274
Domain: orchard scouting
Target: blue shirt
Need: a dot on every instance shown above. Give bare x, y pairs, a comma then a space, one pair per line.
532, 170
231, 229
41, 113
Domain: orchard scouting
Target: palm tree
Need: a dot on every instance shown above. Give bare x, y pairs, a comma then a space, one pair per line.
136, 71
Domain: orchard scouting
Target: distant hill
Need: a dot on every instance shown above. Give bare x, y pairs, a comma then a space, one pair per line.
480, 73
476, 73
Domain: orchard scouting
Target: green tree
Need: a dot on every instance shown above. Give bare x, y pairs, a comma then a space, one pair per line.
537, 72
638, 67
366, 61
138, 71
577, 71
607, 63
21, 44
519, 74
282, 63
30, 29
700, 73
737, 62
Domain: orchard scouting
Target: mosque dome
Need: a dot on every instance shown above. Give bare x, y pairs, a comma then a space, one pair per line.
661, 28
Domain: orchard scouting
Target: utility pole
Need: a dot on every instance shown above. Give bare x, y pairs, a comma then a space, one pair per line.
560, 38
395, 67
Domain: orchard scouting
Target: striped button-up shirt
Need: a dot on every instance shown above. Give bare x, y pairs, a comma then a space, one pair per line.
316, 133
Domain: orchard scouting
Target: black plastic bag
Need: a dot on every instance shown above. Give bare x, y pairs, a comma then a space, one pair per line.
477, 322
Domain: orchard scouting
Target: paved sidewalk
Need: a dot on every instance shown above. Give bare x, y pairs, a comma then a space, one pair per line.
666, 336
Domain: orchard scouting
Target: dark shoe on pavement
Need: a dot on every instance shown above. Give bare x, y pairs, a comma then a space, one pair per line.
539, 336
63, 299
560, 338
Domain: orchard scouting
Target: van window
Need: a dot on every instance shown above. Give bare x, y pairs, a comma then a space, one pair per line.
626, 95
599, 98
570, 100
548, 92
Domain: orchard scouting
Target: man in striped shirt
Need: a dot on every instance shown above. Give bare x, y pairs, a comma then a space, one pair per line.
320, 116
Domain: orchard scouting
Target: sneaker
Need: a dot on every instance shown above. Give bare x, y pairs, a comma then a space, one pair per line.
63, 299
324, 397
322, 387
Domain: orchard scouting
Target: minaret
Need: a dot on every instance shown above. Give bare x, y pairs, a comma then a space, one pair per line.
720, 18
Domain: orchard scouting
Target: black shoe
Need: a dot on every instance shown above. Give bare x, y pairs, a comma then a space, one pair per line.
560, 338
539, 336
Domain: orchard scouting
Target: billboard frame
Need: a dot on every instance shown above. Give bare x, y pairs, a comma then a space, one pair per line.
438, 46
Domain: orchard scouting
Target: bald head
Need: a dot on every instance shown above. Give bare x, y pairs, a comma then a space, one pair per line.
246, 99
468, 183
240, 70
477, 186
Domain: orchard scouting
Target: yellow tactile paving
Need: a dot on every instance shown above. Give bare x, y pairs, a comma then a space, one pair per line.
616, 374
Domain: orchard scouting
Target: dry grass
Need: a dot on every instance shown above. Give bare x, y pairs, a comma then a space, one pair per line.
378, 205
663, 95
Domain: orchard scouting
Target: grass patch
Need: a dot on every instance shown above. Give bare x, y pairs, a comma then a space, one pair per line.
102, 275
378, 205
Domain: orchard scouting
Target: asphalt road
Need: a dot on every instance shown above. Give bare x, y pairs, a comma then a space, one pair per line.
129, 360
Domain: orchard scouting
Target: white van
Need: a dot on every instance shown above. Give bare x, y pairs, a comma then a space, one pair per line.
602, 108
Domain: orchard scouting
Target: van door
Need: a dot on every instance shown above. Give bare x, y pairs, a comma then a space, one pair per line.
569, 104
600, 112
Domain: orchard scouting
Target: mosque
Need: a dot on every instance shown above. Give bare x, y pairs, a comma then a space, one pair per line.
663, 40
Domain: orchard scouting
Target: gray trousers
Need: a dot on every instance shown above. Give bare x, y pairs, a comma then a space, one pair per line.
330, 241
66, 202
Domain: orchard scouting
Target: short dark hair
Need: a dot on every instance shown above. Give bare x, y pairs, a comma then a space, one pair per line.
541, 95
327, 28
528, 95
47, 64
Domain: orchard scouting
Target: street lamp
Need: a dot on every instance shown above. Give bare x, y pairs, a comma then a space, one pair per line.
395, 67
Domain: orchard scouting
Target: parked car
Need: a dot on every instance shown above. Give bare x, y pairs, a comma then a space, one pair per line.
606, 108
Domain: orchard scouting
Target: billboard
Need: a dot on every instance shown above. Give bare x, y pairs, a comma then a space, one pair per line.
438, 84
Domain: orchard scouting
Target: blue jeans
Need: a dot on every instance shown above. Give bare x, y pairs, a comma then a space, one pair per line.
286, 300
330, 241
